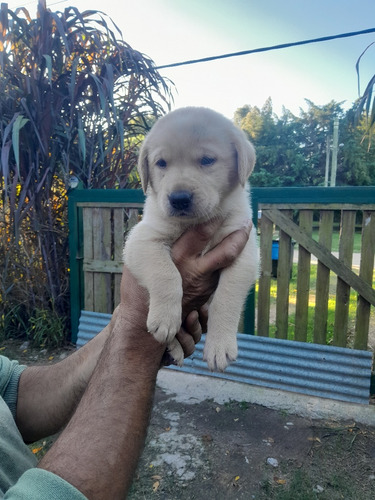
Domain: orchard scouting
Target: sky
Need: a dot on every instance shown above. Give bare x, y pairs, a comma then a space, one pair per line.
171, 31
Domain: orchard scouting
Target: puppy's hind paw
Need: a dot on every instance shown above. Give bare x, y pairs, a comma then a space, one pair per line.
176, 352
219, 356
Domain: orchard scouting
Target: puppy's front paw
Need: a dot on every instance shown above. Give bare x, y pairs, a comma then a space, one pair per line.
164, 322
219, 352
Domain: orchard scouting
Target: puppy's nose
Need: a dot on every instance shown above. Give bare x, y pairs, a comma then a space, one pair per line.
181, 200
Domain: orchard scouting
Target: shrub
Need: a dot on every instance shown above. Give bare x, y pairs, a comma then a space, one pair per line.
75, 100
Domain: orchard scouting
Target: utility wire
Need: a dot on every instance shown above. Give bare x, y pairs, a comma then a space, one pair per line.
266, 49
35, 2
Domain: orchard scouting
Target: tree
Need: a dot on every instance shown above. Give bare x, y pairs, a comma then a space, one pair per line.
279, 158
75, 99
314, 125
291, 150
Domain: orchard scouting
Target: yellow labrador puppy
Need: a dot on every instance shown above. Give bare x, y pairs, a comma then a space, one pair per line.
194, 165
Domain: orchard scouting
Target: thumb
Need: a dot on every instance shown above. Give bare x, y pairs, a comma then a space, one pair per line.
194, 240
226, 252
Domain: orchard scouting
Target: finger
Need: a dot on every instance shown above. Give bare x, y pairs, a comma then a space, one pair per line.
226, 252
194, 240
203, 317
193, 327
187, 342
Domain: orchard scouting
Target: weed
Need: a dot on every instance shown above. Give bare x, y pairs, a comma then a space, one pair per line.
266, 486
46, 328
13, 322
284, 413
229, 405
232, 405
244, 405
300, 488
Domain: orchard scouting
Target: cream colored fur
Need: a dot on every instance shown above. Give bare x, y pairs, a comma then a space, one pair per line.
196, 151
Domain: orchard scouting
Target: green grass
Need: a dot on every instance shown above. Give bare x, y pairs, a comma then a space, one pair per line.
336, 241
311, 313
300, 488
311, 308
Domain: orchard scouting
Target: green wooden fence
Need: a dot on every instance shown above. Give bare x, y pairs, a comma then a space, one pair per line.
100, 219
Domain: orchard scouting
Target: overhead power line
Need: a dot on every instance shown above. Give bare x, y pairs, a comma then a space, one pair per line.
35, 2
266, 49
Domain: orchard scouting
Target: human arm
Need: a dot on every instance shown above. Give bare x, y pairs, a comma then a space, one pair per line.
48, 395
107, 430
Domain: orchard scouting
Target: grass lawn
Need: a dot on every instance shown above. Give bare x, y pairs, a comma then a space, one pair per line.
336, 240
293, 299
331, 306
332, 296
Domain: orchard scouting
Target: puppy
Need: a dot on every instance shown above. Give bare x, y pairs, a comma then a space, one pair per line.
194, 165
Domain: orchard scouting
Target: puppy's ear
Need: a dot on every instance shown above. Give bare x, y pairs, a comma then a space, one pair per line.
143, 168
245, 156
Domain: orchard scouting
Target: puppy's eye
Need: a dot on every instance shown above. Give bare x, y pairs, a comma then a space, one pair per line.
206, 161
161, 163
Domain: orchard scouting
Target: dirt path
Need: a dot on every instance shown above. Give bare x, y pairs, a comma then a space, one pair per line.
239, 450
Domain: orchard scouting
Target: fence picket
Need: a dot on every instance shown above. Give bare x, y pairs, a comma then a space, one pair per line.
342, 288
118, 237
102, 251
303, 279
283, 278
88, 254
263, 320
366, 274
322, 279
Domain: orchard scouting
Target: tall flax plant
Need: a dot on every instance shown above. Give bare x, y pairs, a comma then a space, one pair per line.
75, 99
366, 101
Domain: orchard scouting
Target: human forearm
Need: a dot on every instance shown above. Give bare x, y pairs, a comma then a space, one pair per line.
108, 429
48, 395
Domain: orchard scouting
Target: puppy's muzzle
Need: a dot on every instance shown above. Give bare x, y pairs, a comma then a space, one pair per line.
180, 202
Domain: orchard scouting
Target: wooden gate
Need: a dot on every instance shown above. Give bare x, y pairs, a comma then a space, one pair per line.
98, 223
294, 213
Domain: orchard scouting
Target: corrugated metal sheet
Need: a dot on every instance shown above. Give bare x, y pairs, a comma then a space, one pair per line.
90, 324
317, 370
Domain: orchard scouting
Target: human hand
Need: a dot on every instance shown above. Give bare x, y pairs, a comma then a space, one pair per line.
190, 334
200, 273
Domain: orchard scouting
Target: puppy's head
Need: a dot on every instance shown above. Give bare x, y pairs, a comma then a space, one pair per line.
192, 159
